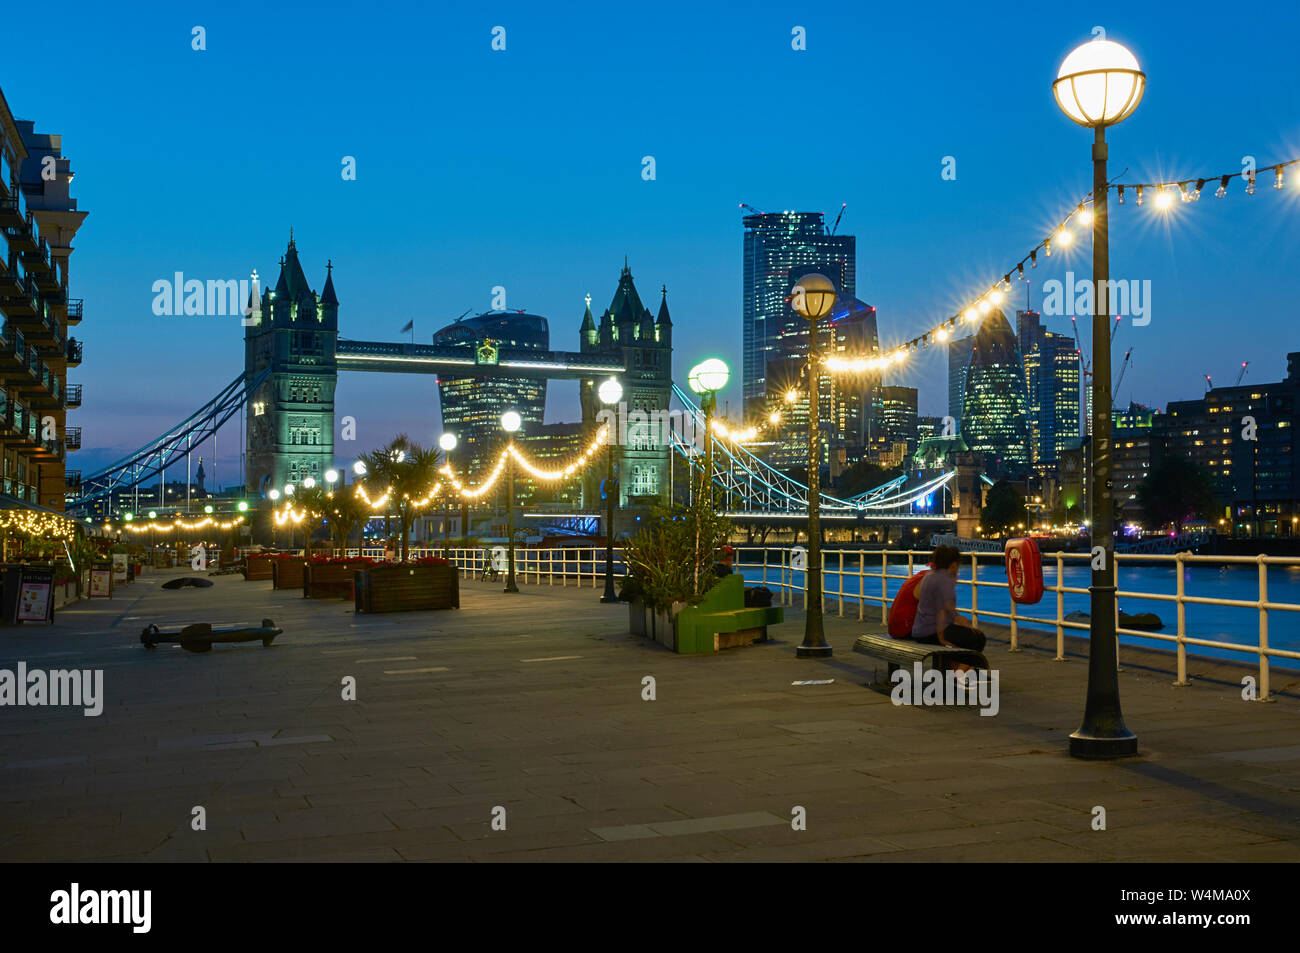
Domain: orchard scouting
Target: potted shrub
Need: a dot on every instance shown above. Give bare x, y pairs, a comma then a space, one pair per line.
671, 562
287, 571
332, 577
258, 565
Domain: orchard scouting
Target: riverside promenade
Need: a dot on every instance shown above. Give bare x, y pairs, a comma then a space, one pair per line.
529, 710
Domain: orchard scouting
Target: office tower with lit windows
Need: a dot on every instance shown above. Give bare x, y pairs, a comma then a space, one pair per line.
472, 404
897, 416
779, 249
847, 402
1051, 365
1244, 436
958, 365
994, 418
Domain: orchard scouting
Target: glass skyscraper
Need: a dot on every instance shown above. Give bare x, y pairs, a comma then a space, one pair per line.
994, 419
1051, 365
472, 405
779, 249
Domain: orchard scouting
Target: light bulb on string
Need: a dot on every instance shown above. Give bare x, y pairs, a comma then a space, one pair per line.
1196, 195
1250, 183
1047, 247
1085, 215
1164, 199
1064, 236
1139, 193
1279, 182
1222, 190
1121, 195
1182, 192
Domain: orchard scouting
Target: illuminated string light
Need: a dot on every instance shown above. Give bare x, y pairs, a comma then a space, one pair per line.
38, 523
208, 522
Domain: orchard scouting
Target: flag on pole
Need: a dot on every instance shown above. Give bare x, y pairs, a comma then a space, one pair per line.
409, 326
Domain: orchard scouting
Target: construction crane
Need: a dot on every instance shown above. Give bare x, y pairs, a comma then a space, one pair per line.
1209, 383
1122, 368
750, 208
1244, 365
843, 206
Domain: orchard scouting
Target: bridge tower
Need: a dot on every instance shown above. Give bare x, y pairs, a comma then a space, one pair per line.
967, 491
290, 425
644, 342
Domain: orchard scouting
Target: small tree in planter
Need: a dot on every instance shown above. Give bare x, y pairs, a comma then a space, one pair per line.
346, 512
671, 561
406, 471
314, 503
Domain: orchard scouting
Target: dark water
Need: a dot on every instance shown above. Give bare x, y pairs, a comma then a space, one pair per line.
1230, 624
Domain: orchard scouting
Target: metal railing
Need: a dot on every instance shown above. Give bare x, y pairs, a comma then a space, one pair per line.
787, 576
584, 566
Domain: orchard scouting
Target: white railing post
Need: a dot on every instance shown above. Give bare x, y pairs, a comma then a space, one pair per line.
1263, 628
1181, 611
841, 609
974, 591
884, 585
764, 566
862, 582
1060, 608
1015, 628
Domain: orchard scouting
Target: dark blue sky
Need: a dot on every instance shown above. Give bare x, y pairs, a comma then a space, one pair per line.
523, 169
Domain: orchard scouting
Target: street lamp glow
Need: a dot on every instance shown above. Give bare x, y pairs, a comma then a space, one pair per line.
709, 376
243, 506
288, 489
153, 514
610, 391
208, 508
128, 516
448, 442
274, 494
511, 421
1099, 83
359, 468
813, 297
331, 476
309, 482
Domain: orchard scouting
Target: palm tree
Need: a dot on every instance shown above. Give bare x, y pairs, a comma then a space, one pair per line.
406, 471
346, 512
314, 502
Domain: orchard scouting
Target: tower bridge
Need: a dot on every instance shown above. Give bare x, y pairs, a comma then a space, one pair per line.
293, 356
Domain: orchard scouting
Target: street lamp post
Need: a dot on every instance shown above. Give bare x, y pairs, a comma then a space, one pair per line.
706, 379
510, 423
448, 443
1098, 85
812, 298
610, 393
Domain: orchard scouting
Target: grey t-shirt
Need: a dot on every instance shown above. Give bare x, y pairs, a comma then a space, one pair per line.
938, 591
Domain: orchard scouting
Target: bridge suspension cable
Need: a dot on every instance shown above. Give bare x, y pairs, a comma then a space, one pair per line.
143, 465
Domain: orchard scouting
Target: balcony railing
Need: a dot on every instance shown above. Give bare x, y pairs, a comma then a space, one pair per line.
73, 396
74, 352
72, 479
72, 438
75, 306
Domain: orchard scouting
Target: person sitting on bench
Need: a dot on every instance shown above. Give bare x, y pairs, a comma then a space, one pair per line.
937, 620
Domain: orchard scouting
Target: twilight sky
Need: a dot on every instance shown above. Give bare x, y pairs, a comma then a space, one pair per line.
522, 168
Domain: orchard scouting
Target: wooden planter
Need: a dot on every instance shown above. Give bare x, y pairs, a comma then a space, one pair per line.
330, 580
637, 618
258, 566
404, 588
287, 573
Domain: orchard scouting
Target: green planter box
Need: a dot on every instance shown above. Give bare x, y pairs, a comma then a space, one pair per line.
258, 567
330, 580
287, 573
405, 588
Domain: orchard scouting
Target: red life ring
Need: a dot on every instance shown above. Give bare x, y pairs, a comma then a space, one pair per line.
1024, 571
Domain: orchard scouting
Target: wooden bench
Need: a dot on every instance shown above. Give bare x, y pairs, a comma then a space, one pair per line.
897, 652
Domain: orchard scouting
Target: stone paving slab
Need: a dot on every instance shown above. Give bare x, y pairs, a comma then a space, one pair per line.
533, 703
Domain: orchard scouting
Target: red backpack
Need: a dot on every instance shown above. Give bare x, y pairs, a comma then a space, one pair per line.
902, 612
